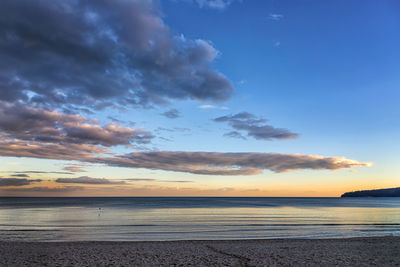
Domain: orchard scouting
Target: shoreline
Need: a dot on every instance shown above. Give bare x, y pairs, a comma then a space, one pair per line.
355, 251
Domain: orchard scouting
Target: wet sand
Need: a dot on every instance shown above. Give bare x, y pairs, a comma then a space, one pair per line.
373, 251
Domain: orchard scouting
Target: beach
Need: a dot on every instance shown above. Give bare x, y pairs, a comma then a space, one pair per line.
370, 251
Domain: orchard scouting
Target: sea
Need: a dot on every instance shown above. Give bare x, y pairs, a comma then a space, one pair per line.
195, 218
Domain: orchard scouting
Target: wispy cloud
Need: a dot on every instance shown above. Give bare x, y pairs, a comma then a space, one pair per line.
254, 127
156, 180
140, 179
275, 17
215, 4
212, 107
65, 189
41, 172
182, 129
113, 119
87, 180
235, 134
172, 114
74, 168
171, 130
166, 139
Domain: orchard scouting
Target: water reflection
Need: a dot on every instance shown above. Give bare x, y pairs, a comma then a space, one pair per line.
195, 218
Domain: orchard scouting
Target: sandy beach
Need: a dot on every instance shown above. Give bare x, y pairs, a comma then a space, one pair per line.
378, 251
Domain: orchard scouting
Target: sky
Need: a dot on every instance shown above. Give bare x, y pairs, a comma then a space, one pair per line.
198, 97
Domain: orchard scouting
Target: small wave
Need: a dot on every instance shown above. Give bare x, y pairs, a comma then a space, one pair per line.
30, 230
315, 224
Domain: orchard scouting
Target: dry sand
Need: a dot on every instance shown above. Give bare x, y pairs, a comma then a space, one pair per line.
379, 251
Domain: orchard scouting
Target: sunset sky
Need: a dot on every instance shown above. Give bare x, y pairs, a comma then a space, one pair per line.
198, 97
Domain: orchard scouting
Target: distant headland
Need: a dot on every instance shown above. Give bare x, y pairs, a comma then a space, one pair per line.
389, 192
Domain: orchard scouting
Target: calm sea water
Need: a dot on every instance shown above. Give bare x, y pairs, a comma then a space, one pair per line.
132, 219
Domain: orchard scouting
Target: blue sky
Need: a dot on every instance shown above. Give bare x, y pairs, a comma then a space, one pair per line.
327, 71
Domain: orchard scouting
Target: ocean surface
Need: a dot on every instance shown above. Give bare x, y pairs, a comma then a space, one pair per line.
134, 219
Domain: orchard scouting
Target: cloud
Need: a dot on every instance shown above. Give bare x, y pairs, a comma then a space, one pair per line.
175, 181
213, 107
172, 114
166, 139
277, 43
175, 129
74, 168
275, 16
214, 4
42, 172
35, 149
28, 123
235, 134
254, 127
20, 175
16, 182
182, 129
213, 163
65, 189
140, 179
115, 120
216, 163
156, 180
96, 54
87, 180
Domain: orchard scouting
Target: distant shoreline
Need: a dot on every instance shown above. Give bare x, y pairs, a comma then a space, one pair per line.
380, 251
387, 192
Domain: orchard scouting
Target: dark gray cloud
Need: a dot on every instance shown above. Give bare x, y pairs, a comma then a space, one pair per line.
65, 189
20, 175
172, 114
254, 127
16, 182
166, 139
216, 163
87, 180
100, 53
43, 172
35, 124
235, 134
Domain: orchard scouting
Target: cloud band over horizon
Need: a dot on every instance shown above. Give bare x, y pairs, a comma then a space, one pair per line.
209, 163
